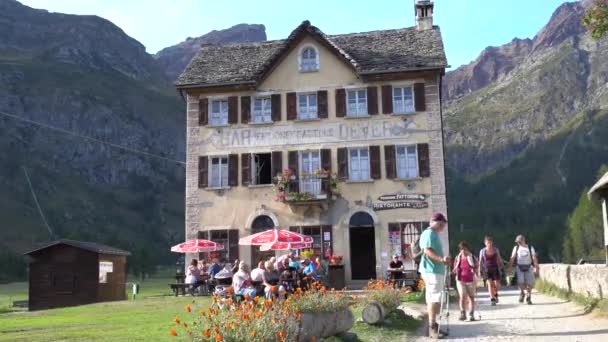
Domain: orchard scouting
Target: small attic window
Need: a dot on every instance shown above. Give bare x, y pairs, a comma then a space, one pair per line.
309, 59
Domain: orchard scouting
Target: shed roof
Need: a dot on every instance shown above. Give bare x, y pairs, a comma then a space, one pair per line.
89, 246
371, 52
600, 186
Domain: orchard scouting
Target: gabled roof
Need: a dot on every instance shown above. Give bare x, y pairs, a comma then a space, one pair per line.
600, 186
371, 52
89, 246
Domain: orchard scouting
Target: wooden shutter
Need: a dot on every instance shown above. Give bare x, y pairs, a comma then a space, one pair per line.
245, 109
292, 106
245, 169
419, 97
275, 102
372, 100
343, 163
292, 162
340, 103
389, 162
387, 99
327, 245
322, 104
233, 109
374, 161
326, 159
203, 172
233, 170
233, 244
203, 112
424, 165
276, 162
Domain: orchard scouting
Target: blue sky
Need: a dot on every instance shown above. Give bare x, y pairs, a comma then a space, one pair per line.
468, 26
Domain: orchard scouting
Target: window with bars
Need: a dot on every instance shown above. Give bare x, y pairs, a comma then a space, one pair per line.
403, 99
262, 110
407, 161
307, 106
218, 172
356, 102
359, 164
219, 112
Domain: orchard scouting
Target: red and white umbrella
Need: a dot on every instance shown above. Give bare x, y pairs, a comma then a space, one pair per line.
197, 246
273, 236
283, 246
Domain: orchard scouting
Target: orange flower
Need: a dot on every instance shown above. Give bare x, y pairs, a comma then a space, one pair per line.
214, 298
229, 301
207, 333
173, 332
188, 307
176, 320
273, 288
185, 324
313, 339
299, 317
246, 316
258, 314
219, 338
253, 333
216, 329
256, 298
246, 296
282, 335
190, 332
230, 290
202, 312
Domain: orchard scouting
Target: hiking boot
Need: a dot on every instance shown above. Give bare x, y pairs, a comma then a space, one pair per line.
434, 332
521, 297
493, 301
472, 316
496, 297
529, 299
463, 316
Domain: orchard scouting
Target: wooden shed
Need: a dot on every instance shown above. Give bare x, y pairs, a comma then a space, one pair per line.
67, 273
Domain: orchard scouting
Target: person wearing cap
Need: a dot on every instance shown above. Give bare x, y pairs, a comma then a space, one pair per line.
433, 269
395, 270
524, 257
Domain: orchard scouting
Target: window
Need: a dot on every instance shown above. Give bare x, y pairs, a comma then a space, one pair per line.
262, 109
261, 168
407, 162
310, 161
309, 59
218, 172
356, 102
307, 106
359, 164
220, 236
219, 112
403, 99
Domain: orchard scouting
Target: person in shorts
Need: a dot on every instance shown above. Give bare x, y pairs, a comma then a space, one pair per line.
491, 266
465, 267
524, 257
433, 269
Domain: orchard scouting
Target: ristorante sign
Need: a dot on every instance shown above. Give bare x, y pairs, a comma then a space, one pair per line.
311, 133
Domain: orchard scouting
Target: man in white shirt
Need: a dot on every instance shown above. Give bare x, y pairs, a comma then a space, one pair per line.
525, 259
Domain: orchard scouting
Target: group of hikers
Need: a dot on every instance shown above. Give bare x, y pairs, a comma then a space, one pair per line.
468, 270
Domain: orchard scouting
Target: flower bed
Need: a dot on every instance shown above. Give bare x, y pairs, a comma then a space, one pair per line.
382, 298
303, 316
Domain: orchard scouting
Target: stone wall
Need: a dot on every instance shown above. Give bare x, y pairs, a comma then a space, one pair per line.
588, 280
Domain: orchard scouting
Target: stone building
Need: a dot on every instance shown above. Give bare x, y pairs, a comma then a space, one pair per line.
352, 123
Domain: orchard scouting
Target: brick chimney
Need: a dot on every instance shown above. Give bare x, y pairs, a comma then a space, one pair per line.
424, 14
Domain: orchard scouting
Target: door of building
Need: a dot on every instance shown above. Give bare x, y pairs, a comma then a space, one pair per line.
260, 224
362, 247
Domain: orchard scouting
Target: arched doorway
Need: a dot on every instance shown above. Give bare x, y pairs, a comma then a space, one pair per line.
362, 240
260, 224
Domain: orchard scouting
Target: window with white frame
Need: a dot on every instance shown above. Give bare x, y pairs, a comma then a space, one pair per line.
307, 106
262, 109
309, 59
310, 161
219, 112
356, 102
403, 99
218, 172
407, 161
359, 163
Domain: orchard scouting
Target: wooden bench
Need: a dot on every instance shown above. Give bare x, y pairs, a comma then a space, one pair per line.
176, 287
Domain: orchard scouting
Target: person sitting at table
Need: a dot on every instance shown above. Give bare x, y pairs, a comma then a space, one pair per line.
310, 270
286, 283
215, 268
283, 266
395, 269
241, 282
271, 280
257, 273
203, 266
193, 276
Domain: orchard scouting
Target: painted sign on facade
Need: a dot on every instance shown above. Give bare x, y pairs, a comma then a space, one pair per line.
311, 133
400, 205
402, 197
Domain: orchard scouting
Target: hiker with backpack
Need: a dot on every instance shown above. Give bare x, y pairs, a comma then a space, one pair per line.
465, 266
524, 258
491, 267
433, 269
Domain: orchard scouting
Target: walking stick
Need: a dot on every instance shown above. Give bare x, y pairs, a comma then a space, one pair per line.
444, 308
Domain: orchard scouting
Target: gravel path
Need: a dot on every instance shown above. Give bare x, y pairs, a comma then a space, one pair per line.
548, 319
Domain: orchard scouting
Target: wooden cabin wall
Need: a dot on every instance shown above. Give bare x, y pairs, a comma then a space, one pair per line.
115, 288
